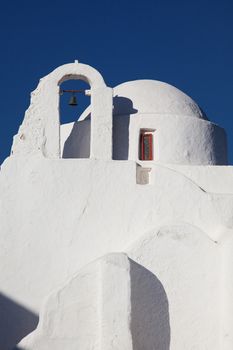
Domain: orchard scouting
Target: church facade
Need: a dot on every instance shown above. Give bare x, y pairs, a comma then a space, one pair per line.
117, 229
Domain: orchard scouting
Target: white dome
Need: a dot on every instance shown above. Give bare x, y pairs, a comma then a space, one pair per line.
152, 96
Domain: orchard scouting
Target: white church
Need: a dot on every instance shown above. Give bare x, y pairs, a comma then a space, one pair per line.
116, 230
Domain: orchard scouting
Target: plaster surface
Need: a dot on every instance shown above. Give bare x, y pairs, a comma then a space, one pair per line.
76, 193
81, 314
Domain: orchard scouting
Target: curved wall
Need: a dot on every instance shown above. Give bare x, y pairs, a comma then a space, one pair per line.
180, 140
177, 139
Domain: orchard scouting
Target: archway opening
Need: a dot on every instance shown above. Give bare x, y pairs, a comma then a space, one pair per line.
74, 134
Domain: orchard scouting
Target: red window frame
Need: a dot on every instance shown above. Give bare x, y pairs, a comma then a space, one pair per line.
146, 146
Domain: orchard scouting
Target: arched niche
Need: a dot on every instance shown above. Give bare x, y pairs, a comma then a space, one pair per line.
40, 130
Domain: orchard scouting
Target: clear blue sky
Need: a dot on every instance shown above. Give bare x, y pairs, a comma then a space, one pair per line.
186, 43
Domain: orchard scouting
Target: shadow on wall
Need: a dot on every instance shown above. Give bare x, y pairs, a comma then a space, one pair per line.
120, 149
122, 109
77, 144
15, 323
150, 324
123, 106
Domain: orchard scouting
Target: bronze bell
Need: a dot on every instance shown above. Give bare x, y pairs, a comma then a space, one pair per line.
73, 100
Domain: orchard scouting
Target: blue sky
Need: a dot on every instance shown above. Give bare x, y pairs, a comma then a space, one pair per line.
188, 44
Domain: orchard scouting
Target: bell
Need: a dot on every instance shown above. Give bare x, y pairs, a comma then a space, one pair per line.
73, 101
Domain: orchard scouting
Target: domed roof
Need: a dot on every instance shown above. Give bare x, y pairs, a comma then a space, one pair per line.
152, 96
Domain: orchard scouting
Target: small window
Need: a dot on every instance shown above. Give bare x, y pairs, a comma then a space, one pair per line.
146, 145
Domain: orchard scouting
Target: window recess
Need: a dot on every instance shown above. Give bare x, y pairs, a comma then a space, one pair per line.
146, 149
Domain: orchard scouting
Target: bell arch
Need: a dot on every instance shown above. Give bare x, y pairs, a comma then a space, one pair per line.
40, 130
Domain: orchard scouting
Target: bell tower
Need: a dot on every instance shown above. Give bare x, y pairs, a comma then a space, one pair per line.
40, 130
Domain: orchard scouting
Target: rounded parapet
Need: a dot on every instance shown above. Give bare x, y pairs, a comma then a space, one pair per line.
77, 71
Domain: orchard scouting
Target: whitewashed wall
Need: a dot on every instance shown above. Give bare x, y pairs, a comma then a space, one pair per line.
56, 218
172, 218
177, 139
